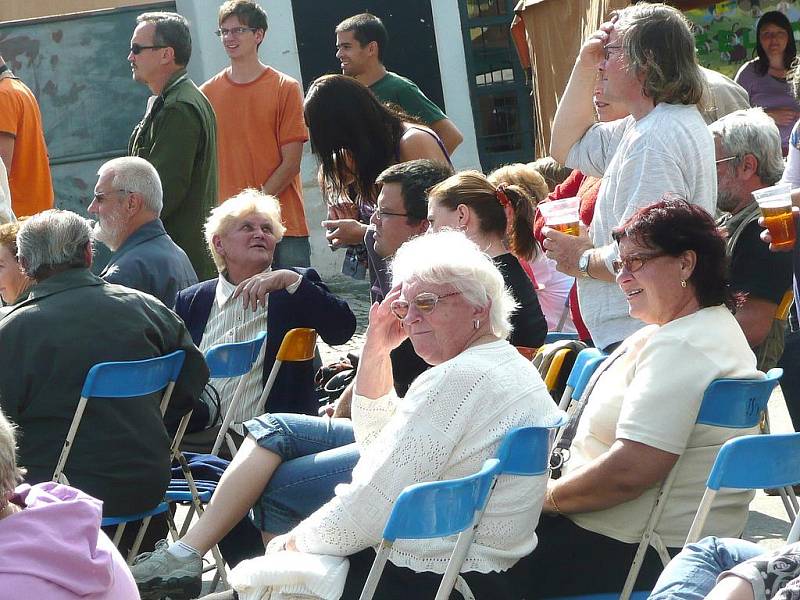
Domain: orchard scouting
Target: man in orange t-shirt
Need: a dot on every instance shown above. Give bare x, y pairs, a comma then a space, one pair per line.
22, 146
260, 127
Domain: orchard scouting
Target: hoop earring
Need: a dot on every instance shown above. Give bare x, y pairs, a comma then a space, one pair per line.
683, 283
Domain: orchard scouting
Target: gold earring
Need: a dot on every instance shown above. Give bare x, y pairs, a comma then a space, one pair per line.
683, 283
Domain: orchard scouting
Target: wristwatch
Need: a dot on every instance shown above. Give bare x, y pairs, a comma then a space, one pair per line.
583, 263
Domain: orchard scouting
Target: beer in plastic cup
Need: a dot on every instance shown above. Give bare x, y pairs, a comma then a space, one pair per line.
776, 207
562, 215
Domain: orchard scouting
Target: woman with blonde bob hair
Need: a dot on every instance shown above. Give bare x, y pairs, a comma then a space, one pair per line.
450, 300
52, 543
499, 218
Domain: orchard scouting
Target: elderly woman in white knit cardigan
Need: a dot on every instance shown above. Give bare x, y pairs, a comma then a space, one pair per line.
449, 299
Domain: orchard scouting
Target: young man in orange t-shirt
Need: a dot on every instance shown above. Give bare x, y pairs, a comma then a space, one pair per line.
260, 126
22, 146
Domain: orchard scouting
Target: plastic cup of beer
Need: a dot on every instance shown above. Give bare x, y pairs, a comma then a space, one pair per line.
562, 215
776, 207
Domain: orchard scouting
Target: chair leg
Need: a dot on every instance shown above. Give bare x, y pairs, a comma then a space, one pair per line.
118, 534
462, 588
138, 540
371, 584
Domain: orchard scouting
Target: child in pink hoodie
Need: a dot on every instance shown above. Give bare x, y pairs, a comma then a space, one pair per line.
51, 546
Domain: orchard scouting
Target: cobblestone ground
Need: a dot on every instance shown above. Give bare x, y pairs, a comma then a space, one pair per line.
356, 294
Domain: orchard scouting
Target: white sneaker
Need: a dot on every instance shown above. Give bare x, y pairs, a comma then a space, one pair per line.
160, 573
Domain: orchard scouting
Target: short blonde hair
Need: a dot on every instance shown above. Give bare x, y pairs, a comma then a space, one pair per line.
10, 474
448, 256
8, 236
244, 203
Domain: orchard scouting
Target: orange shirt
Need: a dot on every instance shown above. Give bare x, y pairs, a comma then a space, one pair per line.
29, 177
253, 121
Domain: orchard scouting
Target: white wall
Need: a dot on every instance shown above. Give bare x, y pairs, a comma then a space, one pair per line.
279, 50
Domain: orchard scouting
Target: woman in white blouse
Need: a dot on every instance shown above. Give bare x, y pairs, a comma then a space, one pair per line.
449, 299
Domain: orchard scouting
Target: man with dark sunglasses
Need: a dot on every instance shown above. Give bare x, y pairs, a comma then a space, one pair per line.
178, 133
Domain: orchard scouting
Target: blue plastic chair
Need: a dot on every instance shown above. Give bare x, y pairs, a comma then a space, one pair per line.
731, 403
429, 510
524, 451
557, 336
124, 379
586, 364
750, 462
232, 360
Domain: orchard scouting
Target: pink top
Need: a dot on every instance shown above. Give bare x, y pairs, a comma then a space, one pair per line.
54, 549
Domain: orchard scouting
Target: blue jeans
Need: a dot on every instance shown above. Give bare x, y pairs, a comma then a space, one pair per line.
693, 573
318, 454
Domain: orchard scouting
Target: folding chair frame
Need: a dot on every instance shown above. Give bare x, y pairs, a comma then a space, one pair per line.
101, 381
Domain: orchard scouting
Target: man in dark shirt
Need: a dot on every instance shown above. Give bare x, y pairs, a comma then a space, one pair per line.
748, 153
401, 214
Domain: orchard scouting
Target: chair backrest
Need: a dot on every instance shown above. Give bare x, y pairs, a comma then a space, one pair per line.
588, 360
782, 313
526, 450
297, 345
122, 379
557, 336
127, 379
439, 508
737, 403
750, 462
755, 462
234, 359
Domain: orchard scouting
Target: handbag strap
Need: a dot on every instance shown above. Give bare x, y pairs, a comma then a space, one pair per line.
561, 449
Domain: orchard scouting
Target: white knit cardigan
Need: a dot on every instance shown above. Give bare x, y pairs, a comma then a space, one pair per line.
452, 419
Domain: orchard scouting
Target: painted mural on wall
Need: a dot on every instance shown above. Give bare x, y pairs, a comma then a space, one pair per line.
726, 31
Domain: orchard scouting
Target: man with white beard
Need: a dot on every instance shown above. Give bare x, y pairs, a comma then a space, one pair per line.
127, 204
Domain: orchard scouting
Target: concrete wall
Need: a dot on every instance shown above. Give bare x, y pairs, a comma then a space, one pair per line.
12, 10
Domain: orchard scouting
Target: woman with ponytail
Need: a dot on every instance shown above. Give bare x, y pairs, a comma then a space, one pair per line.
500, 220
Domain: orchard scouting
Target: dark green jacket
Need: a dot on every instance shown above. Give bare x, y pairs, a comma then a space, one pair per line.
48, 342
178, 135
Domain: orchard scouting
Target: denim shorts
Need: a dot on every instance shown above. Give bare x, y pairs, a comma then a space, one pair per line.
318, 454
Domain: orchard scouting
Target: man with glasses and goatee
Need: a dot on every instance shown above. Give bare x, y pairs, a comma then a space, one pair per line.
178, 133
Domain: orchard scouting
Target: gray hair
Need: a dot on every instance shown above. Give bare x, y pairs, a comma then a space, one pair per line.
53, 238
172, 30
658, 43
10, 473
449, 257
244, 203
751, 131
134, 174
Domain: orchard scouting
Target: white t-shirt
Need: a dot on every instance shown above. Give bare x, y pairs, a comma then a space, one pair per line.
669, 150
651, 394
451, 420
554, 287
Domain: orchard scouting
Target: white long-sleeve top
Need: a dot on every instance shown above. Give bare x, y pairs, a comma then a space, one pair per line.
452, 419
